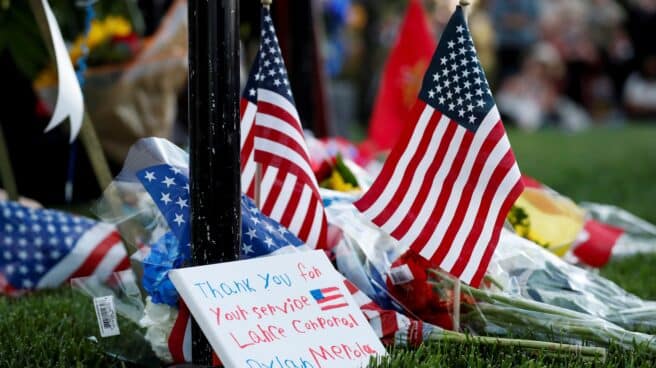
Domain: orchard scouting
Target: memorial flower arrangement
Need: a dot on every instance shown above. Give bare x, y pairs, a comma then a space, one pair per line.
110, 40
589, 233
166, 247
528, 291
129, 80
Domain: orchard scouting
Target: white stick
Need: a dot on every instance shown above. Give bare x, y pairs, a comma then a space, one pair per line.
456, 305
258, 182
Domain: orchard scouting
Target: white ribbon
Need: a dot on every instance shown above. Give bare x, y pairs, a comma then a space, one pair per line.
69, 95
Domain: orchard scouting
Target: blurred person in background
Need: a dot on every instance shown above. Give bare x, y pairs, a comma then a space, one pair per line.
641, 24
531, 98
515, 23
640, 90
602, 90
565, 28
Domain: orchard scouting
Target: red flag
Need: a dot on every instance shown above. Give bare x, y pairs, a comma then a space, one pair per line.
402, 78
450, 180
595, 244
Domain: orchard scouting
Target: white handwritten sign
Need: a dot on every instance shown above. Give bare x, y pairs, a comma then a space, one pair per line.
290, 310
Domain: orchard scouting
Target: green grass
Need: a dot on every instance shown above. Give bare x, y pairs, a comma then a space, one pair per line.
610, 166
616, 166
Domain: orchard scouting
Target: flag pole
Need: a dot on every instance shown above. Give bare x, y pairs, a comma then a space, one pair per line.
7, 177
257, 184
257, 195
214, 141
456, 285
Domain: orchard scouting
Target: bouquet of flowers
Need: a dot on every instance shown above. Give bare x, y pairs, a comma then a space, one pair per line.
589, 233
132, 82
529, 292
521, 268
155, 164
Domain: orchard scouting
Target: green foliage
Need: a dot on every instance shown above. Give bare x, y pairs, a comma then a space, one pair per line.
344, 171
49, 329
21, 37
635, 274
519, 220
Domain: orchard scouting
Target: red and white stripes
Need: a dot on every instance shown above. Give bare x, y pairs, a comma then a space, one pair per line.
98, 252
289, 192
444, 193
248, 167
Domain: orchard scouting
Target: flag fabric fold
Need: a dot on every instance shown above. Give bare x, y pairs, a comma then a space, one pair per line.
42, 248
450, 180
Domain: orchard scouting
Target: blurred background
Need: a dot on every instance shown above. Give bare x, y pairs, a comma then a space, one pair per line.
553, 65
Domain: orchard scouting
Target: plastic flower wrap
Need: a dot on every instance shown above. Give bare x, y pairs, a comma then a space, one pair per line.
522, 268
625, 233
142, 219
150, 200
370, 257
588, 233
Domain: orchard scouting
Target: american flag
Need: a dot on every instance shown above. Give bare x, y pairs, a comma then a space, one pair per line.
329, 298
289, 192
450, 180
168, 186
43, 248
262, 235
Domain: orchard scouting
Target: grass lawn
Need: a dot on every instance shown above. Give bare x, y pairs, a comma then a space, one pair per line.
615, 166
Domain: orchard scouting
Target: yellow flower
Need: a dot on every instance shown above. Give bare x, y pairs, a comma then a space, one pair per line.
46, 78
117, 26
553, 220
336, 182
100, 32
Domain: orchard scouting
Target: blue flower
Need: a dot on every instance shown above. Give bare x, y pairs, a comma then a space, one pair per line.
165, 254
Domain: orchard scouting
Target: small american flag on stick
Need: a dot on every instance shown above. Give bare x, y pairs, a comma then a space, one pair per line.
450, 180
272, 136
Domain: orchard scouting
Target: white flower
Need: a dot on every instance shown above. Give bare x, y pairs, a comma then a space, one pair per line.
158, 320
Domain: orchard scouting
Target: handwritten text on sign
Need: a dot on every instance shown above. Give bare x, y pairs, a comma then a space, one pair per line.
284, 311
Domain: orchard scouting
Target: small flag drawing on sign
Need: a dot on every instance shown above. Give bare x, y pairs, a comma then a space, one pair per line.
329, 298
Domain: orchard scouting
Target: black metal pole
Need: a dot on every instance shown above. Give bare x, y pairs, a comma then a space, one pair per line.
214, 140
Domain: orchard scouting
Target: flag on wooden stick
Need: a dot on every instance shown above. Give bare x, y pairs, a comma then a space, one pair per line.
450, 180
272, 136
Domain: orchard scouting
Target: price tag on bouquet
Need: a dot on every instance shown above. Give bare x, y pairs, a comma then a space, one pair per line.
106, 314
291, 310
